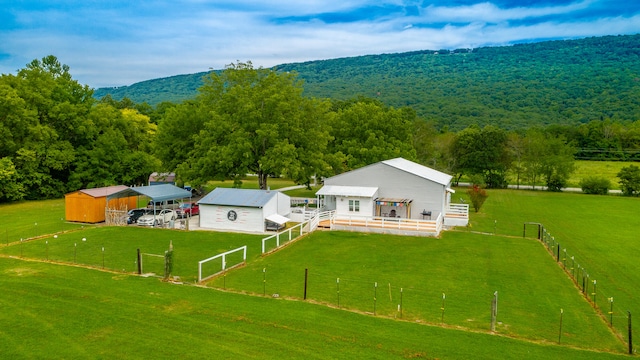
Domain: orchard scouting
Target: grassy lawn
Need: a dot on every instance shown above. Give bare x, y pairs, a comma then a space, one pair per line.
61, 312
71, 311
120, 246
600, 232
30, 219
466, 267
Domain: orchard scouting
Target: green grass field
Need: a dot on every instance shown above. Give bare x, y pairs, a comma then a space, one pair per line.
600, 232
466, 266
606, 169
61, 312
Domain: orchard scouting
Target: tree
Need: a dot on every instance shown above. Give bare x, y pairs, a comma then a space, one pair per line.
258, 122
629, 180
557, 163
366, 131
483, 152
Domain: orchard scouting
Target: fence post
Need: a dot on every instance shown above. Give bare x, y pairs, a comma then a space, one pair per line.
442, 308
494, 311
611, 311
375, 297
338, 290
306, 277
264, 281
629, 332
560, 332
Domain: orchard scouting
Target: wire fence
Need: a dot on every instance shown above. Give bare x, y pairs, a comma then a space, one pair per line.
599, 294
26, 230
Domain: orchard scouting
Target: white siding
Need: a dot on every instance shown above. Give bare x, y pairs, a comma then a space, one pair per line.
395, 183
215, 217
366, 206
250, 219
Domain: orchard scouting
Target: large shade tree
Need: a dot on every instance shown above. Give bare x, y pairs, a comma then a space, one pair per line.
258, 122
365, 131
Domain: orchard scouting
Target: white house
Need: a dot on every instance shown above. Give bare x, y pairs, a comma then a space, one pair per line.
393, 189
243, 210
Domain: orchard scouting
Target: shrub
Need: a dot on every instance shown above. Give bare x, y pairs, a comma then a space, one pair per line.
596, 185
477, 195
629, 180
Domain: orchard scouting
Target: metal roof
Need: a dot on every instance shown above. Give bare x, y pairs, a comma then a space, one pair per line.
419, 170
278, 219
340, 190
103, 191
238, 197
160, 192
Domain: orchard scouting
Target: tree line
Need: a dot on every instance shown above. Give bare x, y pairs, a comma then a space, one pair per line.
57, 138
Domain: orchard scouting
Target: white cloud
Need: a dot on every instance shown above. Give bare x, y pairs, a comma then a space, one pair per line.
195, 36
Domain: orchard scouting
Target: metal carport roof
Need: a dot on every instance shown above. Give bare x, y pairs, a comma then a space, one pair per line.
161, 192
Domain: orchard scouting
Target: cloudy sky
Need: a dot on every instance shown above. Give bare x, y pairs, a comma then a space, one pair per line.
112, 43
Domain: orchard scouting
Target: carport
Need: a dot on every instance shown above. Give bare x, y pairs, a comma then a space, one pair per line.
157, 193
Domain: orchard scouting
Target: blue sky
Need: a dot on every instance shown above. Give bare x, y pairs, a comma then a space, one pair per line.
113, 43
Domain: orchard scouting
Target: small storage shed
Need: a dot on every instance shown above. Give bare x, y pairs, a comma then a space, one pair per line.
89, 205
245, 210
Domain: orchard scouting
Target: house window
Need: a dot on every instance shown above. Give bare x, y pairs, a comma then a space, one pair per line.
354, 205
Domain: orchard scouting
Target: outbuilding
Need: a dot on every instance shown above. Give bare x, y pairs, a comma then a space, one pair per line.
157, 178
89, 205
244, 210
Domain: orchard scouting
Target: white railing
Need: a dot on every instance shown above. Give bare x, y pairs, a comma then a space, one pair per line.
301, 229
224, 262
428, 226
461, 210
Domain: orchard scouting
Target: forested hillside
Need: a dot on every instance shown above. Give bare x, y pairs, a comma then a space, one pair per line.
513, 87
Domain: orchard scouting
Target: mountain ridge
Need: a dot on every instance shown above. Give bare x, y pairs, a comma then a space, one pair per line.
566, 82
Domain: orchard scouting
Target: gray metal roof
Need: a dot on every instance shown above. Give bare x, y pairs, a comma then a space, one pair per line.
238, 197
160, 192
419, 170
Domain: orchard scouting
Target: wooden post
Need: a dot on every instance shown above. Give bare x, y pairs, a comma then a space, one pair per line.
494, 311
629, 331
560, 332
306, 278
139, 263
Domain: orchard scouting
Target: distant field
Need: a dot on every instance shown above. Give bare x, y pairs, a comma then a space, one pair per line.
606, 169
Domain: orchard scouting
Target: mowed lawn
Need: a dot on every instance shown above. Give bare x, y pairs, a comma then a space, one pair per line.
51, 311
413, 273
115, 248
466, 267
600, 232
29, 219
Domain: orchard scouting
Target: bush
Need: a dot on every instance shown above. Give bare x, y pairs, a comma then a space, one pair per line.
477, 195
595, 185
630, 180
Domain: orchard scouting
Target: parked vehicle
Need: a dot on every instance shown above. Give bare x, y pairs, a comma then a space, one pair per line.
159, 219
188, 209
168, 204
134, 214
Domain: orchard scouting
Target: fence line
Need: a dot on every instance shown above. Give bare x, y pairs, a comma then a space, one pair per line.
600, 298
